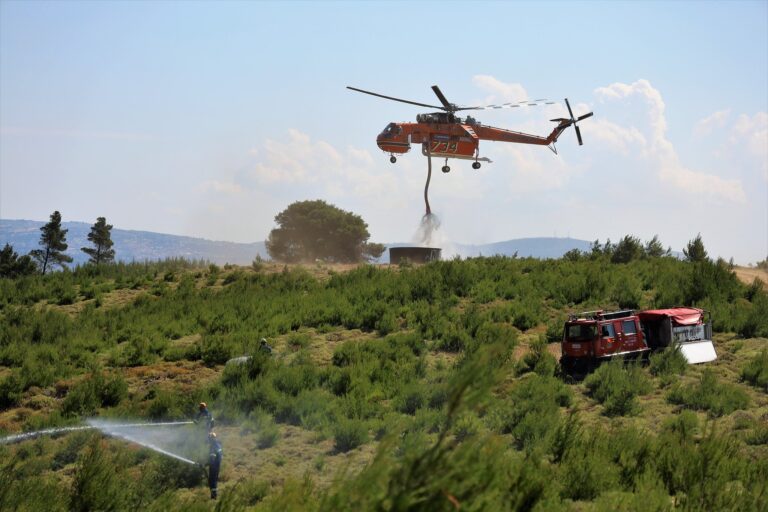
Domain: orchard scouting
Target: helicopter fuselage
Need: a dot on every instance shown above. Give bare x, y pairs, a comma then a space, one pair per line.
445, 135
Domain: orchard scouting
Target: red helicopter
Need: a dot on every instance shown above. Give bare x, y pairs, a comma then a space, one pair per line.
444, 134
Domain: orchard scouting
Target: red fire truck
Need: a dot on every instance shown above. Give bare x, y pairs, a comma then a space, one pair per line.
597, 335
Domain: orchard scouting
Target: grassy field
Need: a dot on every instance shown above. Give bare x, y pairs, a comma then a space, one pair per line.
429, 388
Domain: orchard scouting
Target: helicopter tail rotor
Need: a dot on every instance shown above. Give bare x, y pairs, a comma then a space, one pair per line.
565, 122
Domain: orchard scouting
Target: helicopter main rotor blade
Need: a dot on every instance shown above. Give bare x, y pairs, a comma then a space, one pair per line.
585, 116
395, 99
442, 98
526, 103
578, 134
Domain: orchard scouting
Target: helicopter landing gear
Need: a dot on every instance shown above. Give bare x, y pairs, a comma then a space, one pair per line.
475, 165
392, 159
446, 169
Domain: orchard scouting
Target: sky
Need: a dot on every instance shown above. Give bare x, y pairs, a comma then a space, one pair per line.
208, 118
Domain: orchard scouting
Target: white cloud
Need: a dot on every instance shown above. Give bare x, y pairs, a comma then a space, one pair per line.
615, 137
221, 187
660, 151
751, 133
302, 160
500, 91
711, 122
534, 169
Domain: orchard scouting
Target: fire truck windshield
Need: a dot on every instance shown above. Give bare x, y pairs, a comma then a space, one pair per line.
580, 332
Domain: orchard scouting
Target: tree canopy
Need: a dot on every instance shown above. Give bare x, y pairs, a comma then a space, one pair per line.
53, 241
628, 249
13, 265
100, 237
312, 230
695, 251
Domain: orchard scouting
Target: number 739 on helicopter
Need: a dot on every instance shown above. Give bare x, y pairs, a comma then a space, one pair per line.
446, 135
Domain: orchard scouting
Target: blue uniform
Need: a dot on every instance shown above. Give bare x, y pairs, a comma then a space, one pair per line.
214, 463
207, 416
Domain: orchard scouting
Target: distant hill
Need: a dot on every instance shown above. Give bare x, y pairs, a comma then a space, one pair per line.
24, 236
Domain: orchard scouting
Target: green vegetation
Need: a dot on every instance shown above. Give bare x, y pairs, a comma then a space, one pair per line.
414, 387
756, 371
617, 387
53, 241
316, 230
101, 238
709, 394
12, 265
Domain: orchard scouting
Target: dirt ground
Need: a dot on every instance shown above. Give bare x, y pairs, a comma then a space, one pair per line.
748, 274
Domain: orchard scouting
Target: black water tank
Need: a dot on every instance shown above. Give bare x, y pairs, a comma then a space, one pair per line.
413, 254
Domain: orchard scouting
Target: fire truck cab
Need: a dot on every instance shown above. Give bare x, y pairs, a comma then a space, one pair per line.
595, 335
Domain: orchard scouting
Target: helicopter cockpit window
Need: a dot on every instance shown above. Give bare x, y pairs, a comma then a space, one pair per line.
392, 130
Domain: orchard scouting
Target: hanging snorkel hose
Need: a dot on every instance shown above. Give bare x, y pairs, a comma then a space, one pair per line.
429, 177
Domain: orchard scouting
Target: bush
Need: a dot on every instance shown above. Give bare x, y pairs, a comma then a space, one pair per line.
169, 405
298, 341
711, 395
98, 483
756, 371
411, 399
97, 390
215, 350
348, 434
669, 362
617, 387
531, 412
538, 359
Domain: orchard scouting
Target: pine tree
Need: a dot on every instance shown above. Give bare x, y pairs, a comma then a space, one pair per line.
12, 265
53, 241
653, 248
695, 251
100, 237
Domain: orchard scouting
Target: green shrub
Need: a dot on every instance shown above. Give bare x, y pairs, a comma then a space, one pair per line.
215, 349
718, 398
411, 399
298, 340
531, 411
538, 359
668, 363
466, 426
11, 388
291, 380
555, 330
99, 389
617, 387
98, 483
69, 453
348, 434
756, 371
169, 405
268, 435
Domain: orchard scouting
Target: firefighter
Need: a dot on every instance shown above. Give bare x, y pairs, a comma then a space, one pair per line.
214, 463
206, 415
